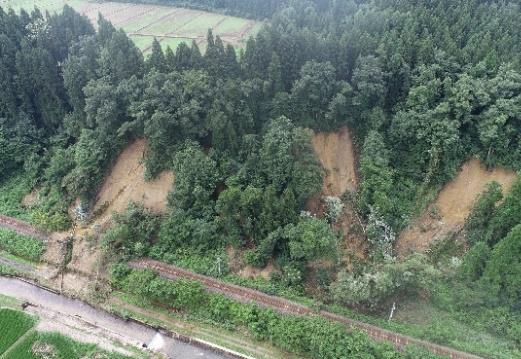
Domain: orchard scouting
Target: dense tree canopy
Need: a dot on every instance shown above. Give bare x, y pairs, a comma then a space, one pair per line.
423, 85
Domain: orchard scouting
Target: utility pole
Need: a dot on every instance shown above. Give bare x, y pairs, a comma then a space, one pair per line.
219, 265
392, 312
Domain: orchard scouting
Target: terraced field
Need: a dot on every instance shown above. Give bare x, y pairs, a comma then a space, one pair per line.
170, 25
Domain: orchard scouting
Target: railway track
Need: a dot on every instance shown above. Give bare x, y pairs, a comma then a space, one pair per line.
21, 227
248, 295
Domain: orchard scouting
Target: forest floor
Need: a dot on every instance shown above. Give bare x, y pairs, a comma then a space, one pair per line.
452, 206
170, 25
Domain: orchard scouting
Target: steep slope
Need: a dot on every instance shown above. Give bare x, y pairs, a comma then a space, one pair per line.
335, 152
452, 206
126, 183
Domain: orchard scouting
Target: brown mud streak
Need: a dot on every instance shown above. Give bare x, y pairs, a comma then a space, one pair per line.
247, 295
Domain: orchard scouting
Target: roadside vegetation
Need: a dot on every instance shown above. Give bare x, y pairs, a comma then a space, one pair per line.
423, 86
18, 340
21, 246
313, 337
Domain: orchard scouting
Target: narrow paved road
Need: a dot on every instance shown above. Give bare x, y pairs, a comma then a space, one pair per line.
101, 322
247, 295
280, 304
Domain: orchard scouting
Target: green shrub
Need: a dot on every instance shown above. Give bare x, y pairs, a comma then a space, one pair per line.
438, 332
132, 232
482, 212
373, 289
313, 337
475, 261
21, 246
503, 271
50, 221
12, 191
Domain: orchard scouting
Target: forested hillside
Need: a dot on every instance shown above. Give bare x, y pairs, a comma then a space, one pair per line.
423, 86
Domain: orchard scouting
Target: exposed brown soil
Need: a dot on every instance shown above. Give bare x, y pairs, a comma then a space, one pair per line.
237, 266
250, 272
123, 185
86, 256
355, 241
30, 199
336, 154
126, 183
56, 248
452, 206
286, 306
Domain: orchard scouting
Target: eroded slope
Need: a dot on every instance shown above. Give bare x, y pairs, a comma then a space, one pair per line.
452, 206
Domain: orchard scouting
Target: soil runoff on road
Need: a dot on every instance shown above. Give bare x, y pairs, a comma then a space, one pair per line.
62, 308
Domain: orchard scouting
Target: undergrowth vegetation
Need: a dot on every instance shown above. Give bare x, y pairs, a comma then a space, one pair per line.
48, 210
312, 337
22, 246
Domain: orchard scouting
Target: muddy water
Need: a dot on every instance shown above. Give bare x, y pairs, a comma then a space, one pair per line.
126, 331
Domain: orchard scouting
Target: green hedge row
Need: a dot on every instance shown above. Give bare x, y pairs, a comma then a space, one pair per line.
21, 246
313, 337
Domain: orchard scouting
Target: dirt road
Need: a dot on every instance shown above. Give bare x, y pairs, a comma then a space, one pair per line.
59, 313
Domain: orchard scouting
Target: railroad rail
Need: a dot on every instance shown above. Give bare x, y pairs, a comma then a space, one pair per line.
248, 295
22, 227
286, 306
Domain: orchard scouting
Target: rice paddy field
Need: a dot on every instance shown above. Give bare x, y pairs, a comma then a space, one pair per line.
20, 340
170, 25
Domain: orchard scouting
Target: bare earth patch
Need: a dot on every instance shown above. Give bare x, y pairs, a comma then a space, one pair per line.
86, 256
335, 152
237, 266
30, 199
56, 248
452, 206
126, 183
